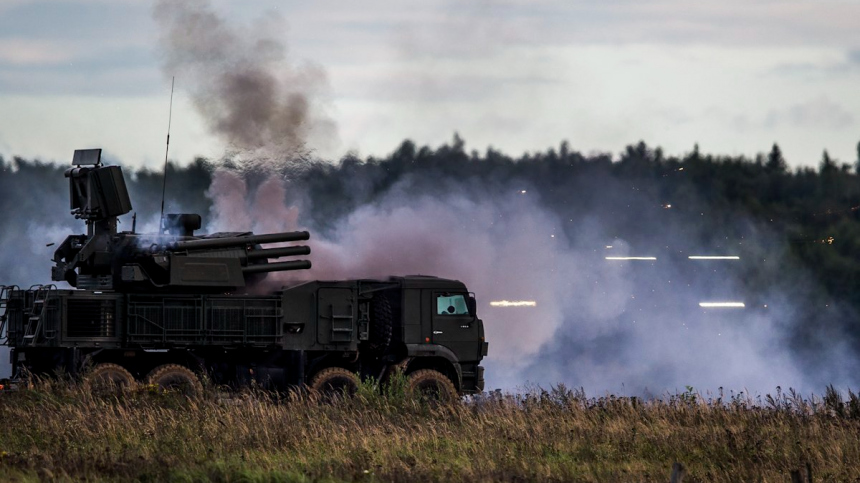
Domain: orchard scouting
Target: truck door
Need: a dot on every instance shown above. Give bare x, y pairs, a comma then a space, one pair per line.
453, 325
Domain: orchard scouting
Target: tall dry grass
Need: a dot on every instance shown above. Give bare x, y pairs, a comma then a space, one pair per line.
58, 430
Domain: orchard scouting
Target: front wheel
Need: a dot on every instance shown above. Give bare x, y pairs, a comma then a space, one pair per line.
431, 385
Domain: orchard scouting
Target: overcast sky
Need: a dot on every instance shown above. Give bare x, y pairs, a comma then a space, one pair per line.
733, 76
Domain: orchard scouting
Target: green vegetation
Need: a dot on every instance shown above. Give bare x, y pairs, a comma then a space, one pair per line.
59, 430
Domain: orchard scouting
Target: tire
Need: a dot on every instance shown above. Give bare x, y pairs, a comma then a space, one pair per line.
380, 325
334, 381
108, 377
431, 385
173, 377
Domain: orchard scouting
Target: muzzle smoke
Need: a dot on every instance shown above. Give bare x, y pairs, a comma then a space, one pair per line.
602, 324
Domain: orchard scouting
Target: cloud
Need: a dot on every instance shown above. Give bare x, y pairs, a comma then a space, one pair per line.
462, 82
481, 28
76, 47
12, 5
23, 51
819, 113
825, 67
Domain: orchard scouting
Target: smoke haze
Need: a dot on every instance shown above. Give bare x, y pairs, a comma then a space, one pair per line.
598, 324
628, 327
532, 229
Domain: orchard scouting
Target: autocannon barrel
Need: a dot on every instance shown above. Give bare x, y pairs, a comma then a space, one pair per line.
277, 267
235, 241
279, 252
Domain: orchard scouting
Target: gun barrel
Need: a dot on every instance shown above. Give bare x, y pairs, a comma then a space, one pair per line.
234, 241
279, 252
277, 267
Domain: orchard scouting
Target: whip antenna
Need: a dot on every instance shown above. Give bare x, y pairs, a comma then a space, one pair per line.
166, 150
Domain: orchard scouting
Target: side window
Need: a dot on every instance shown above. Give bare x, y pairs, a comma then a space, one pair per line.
447, 304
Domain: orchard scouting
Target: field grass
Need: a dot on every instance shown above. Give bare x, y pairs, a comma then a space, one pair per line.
57, 430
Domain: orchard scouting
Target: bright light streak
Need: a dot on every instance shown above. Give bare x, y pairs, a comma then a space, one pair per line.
631, 258
714, 257
513, 303
722, 305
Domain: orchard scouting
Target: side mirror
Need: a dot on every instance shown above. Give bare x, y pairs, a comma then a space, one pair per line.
473, 306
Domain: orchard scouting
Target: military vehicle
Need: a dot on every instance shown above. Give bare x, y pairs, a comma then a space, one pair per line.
171, 307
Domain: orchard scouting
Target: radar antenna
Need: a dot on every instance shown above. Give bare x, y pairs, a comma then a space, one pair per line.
166, 150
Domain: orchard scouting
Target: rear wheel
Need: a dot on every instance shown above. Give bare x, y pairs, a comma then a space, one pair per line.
108, 377
431, 385
335, 381
173, 377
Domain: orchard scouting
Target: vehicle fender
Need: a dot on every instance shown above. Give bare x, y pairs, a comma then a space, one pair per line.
436, 350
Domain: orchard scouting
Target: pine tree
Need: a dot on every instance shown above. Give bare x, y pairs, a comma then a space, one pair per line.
775, 162
827, 165
857, 163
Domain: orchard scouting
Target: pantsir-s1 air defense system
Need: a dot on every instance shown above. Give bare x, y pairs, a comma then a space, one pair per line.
170, 307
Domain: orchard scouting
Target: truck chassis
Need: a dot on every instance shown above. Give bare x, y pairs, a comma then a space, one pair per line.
320, 334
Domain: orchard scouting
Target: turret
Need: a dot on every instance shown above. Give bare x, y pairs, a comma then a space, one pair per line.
174, 260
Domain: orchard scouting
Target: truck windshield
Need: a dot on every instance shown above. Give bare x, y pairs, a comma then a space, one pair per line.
451, 305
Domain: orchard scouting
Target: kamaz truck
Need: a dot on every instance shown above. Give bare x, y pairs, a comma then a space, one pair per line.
172, 308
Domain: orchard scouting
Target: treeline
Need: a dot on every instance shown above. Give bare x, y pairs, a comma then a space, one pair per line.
696, 199
712, 198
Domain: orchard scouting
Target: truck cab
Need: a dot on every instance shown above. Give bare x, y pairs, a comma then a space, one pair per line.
407, 323
441, 327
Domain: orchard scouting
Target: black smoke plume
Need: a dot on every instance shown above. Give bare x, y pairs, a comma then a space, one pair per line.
241, 80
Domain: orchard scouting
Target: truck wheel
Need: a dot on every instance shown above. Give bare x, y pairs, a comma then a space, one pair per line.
380, 324
431, 385
334, 381
173, 377
108, 377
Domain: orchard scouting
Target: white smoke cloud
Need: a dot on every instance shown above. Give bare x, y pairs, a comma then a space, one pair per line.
596, 324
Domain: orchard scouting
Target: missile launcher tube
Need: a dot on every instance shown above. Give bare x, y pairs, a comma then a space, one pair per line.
277, 267
233, 241
279, 252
